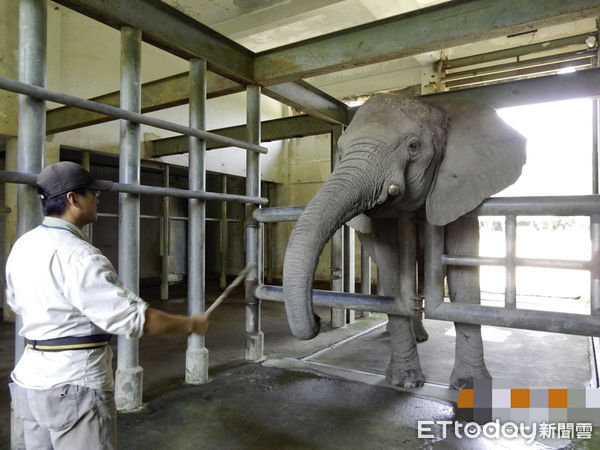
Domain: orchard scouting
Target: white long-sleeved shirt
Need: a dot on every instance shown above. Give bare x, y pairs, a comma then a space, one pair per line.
62, 286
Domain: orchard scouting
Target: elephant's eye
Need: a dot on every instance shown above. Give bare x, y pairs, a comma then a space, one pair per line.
413, 146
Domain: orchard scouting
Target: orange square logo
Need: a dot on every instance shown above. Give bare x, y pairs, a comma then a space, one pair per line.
519, 398
465, 398
557, 398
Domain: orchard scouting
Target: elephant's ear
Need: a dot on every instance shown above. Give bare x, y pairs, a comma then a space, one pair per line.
483, 155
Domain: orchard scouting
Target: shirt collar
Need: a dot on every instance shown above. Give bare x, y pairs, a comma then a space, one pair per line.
56, 222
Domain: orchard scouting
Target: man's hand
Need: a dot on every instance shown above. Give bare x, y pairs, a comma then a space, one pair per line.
199, 323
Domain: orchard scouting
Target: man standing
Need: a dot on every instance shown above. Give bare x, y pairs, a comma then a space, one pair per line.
70, 300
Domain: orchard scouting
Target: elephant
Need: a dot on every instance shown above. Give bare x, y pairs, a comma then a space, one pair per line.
402, 160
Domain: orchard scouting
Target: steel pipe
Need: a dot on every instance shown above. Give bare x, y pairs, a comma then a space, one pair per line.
572, 205
342, 300
29, 178
254, 336
527, 319
449, 260
117, 113
510, 289
128, 383
278, 214
595, 266
196, 361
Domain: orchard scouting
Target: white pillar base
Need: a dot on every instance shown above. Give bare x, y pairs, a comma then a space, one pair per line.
196, 366
255, 346
338, 317
128, 389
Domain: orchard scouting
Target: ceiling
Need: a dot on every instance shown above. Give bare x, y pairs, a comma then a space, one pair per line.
319, 55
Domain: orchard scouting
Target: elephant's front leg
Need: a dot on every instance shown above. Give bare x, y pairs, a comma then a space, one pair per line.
462, 238
395, 258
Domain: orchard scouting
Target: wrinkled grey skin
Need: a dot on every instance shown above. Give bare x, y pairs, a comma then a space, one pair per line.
440, 158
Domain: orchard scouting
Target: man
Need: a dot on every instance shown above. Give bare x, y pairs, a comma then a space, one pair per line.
71, 300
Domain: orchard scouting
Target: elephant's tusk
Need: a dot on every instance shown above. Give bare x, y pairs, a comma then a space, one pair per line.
393, 190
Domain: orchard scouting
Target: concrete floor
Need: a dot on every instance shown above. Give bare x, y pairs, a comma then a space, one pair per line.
320, 394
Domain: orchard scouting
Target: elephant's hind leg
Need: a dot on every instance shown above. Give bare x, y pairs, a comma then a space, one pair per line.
462, 238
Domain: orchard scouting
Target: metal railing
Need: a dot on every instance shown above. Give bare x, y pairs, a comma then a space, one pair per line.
436, 260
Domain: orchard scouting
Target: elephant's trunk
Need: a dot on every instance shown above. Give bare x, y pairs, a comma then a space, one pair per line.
346, 193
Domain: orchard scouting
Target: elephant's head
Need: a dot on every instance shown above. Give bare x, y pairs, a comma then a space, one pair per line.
398, 154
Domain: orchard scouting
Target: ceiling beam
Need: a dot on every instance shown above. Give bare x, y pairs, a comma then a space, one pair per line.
156, 95
312, 101
165, 27
447, 25
271, 130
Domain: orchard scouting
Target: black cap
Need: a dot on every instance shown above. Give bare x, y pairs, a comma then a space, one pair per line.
66, 176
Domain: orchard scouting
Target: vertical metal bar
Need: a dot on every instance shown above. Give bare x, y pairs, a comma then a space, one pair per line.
196, 361
32, 139
269, 243
595, 106
595, 271
338, 315
165, 238
223, 237
254, 335
365, 276
349, 269
128, 386
511, 268
85, 163
408, 259
434, 269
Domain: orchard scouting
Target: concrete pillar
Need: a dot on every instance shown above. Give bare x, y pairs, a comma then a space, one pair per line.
128, 383
196, 356
254, 335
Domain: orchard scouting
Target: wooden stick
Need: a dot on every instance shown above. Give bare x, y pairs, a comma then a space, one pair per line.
229, 288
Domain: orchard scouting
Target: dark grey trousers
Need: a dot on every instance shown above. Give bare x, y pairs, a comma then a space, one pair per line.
66, 417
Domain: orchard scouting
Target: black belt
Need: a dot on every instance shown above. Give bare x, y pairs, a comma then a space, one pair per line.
69, 343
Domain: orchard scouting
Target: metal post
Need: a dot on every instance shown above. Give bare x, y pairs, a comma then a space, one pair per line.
365, 276
165, 247
196, 357
254, 337
434, 269
349, 270
128, 383
32, 138
408, 259
224, 237
511, 268
338, 315
595, 131
595, 265
85, 163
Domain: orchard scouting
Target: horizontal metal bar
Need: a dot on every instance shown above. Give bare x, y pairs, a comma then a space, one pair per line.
66, 99
183, 193
361, 302
519, 72
527, 319
271, 130
515, 52
29, 178
524, 262
572, 205
278, 214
